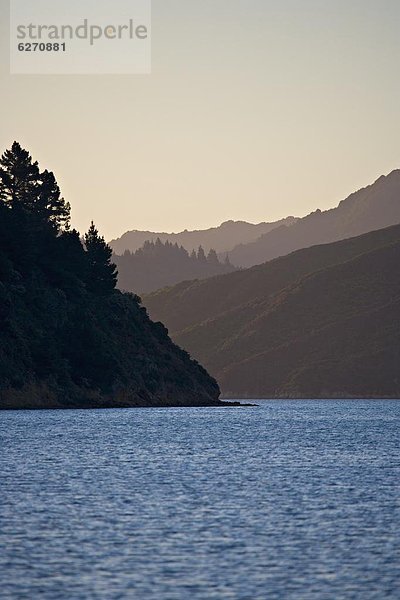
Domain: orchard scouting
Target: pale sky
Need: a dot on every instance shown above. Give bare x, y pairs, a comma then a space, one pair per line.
255, 110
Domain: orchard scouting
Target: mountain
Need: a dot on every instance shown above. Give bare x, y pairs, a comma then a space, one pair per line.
156, 265
374, 207
68, 338
320, 322
222, 238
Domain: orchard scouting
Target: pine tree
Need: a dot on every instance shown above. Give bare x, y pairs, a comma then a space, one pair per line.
201, 257
25, 189
19, 177
50, 206
102, 275
227, 262
212, 258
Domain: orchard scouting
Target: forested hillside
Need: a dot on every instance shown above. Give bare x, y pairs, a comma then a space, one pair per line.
68, 338
157, 265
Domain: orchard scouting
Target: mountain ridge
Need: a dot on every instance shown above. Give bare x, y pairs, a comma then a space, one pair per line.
361, 322
221, 238
252, 297
372, 207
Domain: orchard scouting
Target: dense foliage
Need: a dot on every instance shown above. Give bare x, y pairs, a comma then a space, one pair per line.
156, 265
67, 336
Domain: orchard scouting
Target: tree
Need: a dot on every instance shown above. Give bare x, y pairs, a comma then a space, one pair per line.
102, 275
201, 257
212, 258
50, 206
25, 189
71, 254
227, 262
19, 177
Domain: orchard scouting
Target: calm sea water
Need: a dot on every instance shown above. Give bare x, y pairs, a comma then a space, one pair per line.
293, 499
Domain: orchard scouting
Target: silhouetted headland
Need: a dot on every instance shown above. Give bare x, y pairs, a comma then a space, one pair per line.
69, 338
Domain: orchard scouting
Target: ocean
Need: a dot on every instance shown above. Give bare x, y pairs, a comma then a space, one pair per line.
290, 499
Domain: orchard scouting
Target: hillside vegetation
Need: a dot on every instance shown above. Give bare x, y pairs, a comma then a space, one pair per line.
68, 338
157, 265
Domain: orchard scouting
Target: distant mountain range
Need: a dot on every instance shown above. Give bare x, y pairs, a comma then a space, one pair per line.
222, 238
320, 322
157, 265
373, 207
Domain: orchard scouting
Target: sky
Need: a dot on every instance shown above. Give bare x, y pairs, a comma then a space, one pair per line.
254, 110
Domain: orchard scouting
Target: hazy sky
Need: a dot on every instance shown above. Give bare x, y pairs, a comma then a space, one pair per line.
255, 109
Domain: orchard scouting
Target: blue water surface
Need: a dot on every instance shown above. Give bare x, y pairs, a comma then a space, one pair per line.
292, 499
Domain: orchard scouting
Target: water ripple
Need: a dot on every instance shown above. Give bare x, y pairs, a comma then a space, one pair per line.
293, 499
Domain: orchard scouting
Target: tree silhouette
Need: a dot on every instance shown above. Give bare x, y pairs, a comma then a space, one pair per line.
102, 274
201, 255
227, 262
50, 206
157, 264
25, 189
212, 257
19, 177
